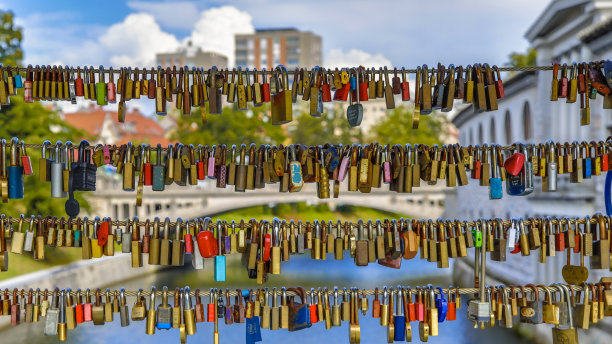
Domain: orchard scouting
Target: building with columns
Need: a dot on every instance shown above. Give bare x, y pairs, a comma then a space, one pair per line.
567, 31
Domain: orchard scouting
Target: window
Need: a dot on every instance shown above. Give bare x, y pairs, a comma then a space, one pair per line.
508, 127
493, 138
480, 134
527, 126
471, 137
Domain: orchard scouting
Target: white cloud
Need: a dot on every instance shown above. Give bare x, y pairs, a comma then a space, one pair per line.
353, 58
216, 28
175, 15
136, 40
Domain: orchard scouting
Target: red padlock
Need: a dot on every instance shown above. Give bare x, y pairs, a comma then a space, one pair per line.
201, 162
603, 155
405, 86
79, 309
265, 87
420, 307
147, 166
499, 84
363, 86
578, 244
27, 163
325, 91
515, 163
188, 239
211, 309
103, 232
451, 310
477, 164
78, 84
207, 244
341, 94
266, 247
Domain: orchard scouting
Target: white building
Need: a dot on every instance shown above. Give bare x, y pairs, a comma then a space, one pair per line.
567, 31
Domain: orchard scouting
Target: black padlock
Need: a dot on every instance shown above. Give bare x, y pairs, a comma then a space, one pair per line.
83, 171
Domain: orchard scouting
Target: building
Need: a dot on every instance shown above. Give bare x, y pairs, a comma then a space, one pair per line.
567, 31
101, 126
267, 48
191, 56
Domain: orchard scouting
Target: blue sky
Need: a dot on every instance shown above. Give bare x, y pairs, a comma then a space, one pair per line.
402, 33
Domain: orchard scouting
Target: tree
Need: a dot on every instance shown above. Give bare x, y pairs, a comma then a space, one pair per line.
332, 127
396, 128
522, 60
32, 123
10, 40
232, 126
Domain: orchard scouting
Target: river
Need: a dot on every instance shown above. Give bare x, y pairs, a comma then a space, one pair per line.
301, 271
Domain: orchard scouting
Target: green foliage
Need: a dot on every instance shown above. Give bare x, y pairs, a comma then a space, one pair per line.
522, 59
10, 40
32, 123
396, 128
332, 127
232, 127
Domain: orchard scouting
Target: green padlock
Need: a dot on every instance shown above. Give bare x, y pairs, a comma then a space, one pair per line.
101, 88
477, 235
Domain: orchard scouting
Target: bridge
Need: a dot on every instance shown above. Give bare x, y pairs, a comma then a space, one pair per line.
206, 199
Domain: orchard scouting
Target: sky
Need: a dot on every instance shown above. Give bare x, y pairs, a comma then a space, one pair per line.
372, 33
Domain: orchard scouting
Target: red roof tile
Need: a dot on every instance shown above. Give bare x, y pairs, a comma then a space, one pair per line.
137, 127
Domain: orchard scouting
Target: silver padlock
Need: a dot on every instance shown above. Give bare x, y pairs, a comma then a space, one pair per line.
28, 242
57, 173
124, 312
126, 237
52, 316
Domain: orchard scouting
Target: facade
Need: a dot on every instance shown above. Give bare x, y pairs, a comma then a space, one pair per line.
267, 48
566, 31
191, 56
101, 126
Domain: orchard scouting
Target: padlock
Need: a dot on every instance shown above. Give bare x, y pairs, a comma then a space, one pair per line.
281, 102
83, 171
57, 174
219, 273
15, 171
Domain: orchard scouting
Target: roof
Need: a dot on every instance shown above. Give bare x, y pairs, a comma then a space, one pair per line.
276, 29
136, 128
518, 82
595, 31
556, 14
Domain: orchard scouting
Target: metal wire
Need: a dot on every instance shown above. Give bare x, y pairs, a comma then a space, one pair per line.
329, 224
323, 290
268, 72
489, 146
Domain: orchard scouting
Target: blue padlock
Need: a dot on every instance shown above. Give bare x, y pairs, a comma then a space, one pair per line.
441, 305
253, 330
18, 82
495, 183
353, 82
299, 313
607, 67
399, 320
15, 172
586, 162
219, 258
